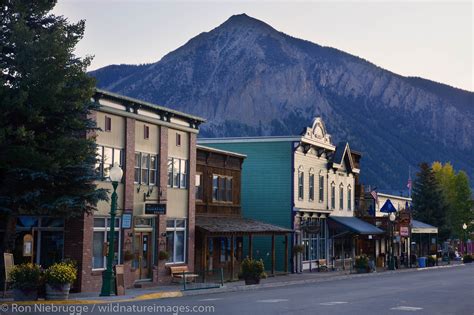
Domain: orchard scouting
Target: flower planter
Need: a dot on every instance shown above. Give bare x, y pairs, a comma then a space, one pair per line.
25, 294
57, 291
250, 281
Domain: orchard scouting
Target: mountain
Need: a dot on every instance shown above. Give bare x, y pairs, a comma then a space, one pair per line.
247, 79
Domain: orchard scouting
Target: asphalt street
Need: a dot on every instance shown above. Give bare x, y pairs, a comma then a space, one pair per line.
439, 291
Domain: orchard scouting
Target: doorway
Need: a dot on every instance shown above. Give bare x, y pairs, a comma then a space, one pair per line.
143, 249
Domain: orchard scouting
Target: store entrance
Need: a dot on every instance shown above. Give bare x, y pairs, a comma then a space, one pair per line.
143, 246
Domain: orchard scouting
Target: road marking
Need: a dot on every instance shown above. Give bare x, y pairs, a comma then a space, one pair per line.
332, 303
406, 308
206, 300
272, 301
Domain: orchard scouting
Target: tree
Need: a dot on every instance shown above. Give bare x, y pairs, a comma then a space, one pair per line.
47, 164
446, 177
462, 205
429, 204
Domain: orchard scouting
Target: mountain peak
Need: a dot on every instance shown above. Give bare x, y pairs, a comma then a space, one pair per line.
244, 20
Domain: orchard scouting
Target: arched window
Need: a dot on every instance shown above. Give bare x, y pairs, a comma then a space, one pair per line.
341, 197
311, 184
333, 195
349, 198
300, 183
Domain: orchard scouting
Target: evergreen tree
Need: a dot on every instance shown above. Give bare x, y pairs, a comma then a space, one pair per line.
463, 213
46, 161
428, 200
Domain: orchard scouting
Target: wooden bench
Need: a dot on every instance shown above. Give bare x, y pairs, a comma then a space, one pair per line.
180, 272
322, 265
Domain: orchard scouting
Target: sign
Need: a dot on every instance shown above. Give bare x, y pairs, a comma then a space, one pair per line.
155, 208
119, 280
28, 245
8, 264
404, 231
310, 227
126, 221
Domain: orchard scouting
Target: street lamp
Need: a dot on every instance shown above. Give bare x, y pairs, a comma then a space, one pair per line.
108, 276
391, 265
464, 227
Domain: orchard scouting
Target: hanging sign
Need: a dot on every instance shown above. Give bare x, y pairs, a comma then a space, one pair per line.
404, 231
155, 208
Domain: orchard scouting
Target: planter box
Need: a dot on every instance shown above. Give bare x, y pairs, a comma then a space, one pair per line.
25, 295
57, 292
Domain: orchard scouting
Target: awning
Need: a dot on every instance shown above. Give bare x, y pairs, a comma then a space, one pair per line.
356, 225
418, 227
237, 225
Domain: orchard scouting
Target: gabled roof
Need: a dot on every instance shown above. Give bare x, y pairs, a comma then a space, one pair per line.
343, 151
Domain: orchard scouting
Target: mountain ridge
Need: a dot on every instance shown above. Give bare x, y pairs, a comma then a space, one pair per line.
246, 78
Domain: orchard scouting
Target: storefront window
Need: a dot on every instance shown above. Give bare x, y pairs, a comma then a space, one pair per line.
101, 236
315, 244
176, 240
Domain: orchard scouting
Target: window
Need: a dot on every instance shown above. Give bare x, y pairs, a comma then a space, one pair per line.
153, 169
341, 197
146, 132
183, 170
300, 185
215, 187
199, 186
108, 123
349, 198
333, 196
315, 244
106, 158
170, 172
311, 187
176, 240
101, 235
177, 173
228, 187
146, 167
222, 188
178, 140
321, 188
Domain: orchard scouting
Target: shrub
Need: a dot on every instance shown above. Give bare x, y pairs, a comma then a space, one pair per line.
362, 262
467, 259
61, 273
25, 276
252, 269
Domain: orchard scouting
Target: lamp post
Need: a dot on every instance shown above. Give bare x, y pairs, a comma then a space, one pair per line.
108, 276
391, 265
464, 227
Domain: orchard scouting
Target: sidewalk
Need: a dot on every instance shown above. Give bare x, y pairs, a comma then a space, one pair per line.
171, 291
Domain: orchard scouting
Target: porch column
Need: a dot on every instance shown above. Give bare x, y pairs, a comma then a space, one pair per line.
286, 253
273, 254
250, 246
232, 253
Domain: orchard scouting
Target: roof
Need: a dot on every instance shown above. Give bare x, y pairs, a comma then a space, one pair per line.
419, 227
237, 225
201, 147
357, 225
250, 139
119, 97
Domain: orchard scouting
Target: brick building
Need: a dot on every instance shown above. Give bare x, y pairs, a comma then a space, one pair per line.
156, 148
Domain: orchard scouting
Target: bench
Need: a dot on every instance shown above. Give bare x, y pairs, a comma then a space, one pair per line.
180, 272
322, 265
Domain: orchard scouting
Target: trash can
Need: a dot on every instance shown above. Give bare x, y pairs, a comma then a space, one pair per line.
422, 262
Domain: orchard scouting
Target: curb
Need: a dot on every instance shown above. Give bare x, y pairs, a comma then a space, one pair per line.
143, 297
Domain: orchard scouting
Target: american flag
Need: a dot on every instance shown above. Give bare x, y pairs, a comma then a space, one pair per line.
374, 194
409, 183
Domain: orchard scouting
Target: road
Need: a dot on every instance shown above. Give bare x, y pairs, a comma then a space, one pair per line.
438, 291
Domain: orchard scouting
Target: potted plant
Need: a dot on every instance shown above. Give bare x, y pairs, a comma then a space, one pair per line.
298, 249
252, 271
162, 255
59, 278
25, 279
467, 259
362, 264
128, 255
430, 261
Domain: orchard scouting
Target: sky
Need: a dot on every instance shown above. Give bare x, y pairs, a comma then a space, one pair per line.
429, 39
